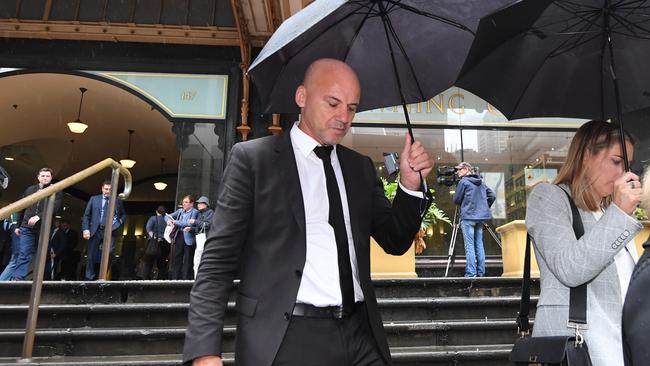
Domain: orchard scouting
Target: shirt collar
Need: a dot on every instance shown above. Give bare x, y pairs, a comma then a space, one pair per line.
303, 141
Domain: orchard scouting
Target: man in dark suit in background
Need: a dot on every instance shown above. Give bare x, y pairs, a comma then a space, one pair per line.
55, 251
60, 262
69, 259
71, 255
93, 226
294, 218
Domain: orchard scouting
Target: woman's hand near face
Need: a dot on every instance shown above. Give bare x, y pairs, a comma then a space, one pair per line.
627, 192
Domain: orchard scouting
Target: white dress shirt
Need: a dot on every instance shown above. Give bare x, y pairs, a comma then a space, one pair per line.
320, 277
320, 285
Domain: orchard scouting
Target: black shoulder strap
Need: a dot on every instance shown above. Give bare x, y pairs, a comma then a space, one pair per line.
578, 295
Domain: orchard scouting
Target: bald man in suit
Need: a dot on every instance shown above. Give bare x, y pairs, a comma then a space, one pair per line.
294, 218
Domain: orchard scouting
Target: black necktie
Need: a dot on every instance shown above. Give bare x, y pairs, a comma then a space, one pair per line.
338, 223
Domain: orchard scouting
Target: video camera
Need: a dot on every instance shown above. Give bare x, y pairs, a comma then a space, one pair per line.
446, 176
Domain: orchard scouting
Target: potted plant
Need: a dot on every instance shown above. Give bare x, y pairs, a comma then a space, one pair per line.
431, 218
642, 236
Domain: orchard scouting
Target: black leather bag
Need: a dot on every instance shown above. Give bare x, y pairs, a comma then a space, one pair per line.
547, 351
554, 350
152, 249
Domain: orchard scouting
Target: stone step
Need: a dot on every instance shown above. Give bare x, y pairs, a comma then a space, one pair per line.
450, 308
58, 292
162, 340
451, 333
451, 287
80, 292
175, 314
435, 266
494, 355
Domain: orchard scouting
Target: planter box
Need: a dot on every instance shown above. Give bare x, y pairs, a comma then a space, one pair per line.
513, 240
513, 249
384, 265
641, 237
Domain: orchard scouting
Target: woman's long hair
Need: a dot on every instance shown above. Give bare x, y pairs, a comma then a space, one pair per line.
590, 139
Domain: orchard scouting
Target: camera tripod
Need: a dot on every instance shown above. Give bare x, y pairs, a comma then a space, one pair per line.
451, 254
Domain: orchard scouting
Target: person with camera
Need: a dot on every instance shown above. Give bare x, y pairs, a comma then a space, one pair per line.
474, 199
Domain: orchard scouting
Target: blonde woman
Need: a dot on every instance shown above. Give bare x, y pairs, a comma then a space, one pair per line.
636, 316
604, 257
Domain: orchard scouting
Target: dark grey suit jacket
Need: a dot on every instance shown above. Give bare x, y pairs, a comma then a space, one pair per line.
260, 234
636, 313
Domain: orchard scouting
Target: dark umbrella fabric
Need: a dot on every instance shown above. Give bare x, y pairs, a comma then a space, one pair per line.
563, 58
428, 41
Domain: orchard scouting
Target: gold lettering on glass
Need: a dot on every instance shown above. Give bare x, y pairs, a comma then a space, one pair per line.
437, 104
188, 95
460, 103
490, 109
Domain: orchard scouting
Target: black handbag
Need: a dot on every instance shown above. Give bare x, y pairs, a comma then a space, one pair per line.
152, 249
553, 350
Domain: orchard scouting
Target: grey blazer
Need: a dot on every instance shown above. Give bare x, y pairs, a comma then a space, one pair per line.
565, 262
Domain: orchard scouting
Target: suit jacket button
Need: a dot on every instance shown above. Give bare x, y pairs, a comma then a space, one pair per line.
298, 273
287, 316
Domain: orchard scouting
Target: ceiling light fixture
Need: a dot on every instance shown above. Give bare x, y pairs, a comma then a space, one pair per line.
160, 185
128, 162
77, 126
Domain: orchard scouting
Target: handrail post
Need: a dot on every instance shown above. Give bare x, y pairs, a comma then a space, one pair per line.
37, 282
108, 225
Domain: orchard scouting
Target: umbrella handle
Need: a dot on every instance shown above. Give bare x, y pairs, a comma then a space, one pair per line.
617, 95
423, 186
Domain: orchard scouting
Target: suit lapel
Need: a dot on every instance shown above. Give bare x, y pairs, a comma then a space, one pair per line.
287, 173
352, 190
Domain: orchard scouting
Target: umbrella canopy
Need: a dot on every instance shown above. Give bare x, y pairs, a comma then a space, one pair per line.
404, 51
562, 58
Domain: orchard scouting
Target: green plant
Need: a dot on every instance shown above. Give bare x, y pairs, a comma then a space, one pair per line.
640, 214
433, 213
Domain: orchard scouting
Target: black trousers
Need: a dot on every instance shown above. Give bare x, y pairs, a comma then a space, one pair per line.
329, 342
160, 260
183, 259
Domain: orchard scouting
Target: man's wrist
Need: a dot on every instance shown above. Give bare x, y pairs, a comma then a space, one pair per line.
413, 193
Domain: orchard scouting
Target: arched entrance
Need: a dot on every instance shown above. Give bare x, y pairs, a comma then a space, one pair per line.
38, 106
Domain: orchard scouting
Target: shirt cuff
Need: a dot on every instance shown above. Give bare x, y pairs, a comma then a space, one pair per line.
417, 194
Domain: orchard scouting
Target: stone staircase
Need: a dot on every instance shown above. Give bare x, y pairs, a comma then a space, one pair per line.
435, 266
428, 321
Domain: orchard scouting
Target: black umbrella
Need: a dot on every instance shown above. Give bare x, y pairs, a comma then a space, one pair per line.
563, 58
404, 51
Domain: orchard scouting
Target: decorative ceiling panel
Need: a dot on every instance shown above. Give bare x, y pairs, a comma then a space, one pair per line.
208, 22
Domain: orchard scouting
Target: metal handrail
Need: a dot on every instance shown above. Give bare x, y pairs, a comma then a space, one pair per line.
23, 203
49, 193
